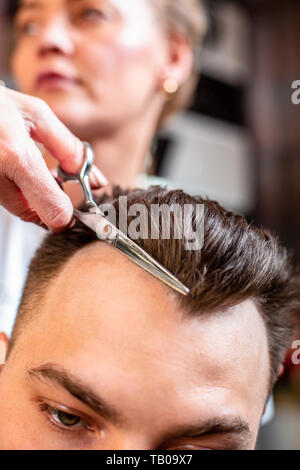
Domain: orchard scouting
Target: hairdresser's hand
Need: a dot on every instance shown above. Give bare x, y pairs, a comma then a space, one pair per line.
27, 187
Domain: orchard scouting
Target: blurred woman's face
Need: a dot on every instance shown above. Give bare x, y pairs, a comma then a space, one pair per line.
97, 63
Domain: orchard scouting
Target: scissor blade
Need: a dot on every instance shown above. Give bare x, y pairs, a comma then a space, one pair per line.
147, 262
119, 240
89, 219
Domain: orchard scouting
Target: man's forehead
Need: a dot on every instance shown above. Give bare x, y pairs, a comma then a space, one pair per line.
100, 264
103, 305
101, 287
115, 328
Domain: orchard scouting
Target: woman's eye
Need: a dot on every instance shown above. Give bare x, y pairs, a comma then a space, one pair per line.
28, 29
92, 14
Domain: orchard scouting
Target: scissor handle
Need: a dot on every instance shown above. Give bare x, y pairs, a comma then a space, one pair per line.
83, 177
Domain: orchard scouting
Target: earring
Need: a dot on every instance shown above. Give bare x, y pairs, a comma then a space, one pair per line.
2, 354
170, 86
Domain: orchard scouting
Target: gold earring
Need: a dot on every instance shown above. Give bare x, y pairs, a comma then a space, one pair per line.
2, 354
170, 86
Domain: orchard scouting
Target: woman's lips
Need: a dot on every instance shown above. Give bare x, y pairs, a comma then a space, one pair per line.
53, 80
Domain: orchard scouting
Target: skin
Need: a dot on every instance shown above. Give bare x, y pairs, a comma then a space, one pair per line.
112, 57
158, 371
119, 55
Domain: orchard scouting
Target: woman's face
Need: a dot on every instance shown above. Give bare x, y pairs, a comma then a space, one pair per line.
97, 63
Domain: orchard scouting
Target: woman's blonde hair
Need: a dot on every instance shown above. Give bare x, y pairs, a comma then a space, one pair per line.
185, 17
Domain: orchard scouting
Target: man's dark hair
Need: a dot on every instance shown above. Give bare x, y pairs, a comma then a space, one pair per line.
237, 262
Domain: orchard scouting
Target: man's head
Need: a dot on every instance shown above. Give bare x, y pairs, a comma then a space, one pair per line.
105, 356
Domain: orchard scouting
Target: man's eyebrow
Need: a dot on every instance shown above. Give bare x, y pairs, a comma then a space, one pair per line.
235, 428
58, 376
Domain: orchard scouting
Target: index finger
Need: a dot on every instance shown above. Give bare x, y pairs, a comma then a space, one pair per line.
46, 128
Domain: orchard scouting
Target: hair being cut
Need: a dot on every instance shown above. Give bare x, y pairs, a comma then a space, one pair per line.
237, 262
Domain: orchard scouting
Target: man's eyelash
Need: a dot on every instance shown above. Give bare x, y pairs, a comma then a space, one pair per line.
49, 411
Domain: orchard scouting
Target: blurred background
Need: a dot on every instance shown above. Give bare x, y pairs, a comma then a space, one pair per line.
239, 142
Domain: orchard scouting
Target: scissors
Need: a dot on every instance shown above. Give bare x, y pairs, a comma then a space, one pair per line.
94, 218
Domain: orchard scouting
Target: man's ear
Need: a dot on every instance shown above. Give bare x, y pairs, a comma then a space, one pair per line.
3, 348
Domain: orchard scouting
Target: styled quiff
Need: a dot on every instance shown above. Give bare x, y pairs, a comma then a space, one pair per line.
238, 262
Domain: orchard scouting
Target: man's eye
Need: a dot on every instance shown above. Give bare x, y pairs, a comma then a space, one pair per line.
63, 419
66, 419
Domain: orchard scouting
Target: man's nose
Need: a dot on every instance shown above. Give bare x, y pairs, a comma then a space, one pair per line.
131, 442
55, 37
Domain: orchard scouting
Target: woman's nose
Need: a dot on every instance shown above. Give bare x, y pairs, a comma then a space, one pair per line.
55, 37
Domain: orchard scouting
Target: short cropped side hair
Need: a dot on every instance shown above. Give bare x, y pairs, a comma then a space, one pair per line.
237, 262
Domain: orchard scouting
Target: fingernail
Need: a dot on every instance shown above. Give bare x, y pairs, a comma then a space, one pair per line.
37, 221
94, 182
42, 225
99, 177
72, 223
